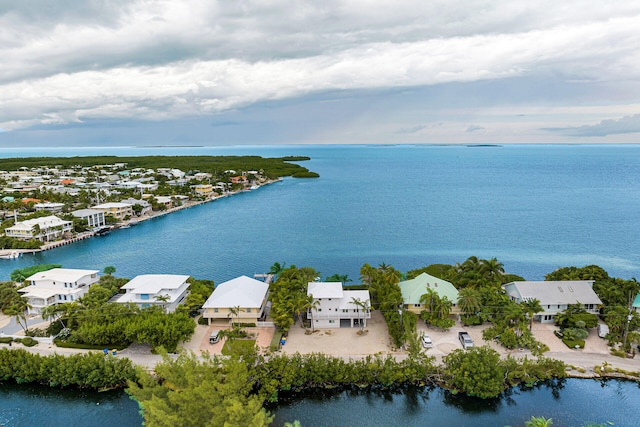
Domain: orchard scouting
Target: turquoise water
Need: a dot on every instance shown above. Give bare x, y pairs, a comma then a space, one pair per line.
535, 208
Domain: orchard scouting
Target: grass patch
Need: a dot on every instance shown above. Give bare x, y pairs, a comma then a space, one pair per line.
573, 343
275, 341
66, 344
231, 345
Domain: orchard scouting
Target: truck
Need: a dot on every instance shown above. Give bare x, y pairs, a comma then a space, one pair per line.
465, 340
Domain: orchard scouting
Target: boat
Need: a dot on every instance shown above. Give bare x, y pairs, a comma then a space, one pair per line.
11, 255
103, 231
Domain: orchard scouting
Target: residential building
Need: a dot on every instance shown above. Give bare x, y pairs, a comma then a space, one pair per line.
49, 206
146, 206
247, 295
94, 217
57, 286
636, 303
555, 296
118, 210
412, 291
334, 307
204, 190
166, 290
44, 228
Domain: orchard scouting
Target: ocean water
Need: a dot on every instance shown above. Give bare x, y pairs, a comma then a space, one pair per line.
534, 207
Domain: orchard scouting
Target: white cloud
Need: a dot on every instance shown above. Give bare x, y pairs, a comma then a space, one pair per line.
161, 59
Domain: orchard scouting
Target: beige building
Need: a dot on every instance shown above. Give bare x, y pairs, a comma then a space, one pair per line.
247, 294
118, 210
44, 228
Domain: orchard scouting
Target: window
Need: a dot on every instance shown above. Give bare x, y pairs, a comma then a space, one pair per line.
332, 321
144, 296
248, 310
319, 309
215, 310
417, 305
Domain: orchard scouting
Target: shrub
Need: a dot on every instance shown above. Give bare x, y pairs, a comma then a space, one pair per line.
203, 321
29, 342
5, 340
275, 341
471, 320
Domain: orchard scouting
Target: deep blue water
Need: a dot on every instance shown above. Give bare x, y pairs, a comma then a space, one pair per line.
27, 405
571, 402
535, 208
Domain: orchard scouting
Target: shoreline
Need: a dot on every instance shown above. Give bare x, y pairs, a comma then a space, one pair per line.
132, 221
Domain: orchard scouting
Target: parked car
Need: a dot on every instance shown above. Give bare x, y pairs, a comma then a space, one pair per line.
426, 341
603, 330
465, 340
214, 337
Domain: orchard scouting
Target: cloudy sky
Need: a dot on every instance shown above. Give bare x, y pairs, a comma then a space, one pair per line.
196, 72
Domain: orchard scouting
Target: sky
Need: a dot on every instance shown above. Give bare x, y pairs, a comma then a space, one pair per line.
196, 72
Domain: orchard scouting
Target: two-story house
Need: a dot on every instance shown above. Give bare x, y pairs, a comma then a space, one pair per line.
44, 228
242, 299
554, 296
334, 307
56, 286
165, 290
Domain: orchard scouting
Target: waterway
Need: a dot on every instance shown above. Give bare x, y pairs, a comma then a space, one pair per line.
535, 208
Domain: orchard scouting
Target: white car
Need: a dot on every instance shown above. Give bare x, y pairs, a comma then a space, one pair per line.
426, 341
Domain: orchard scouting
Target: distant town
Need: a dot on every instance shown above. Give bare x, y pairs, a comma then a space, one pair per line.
47, 206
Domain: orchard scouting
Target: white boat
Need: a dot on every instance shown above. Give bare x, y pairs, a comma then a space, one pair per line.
12, 255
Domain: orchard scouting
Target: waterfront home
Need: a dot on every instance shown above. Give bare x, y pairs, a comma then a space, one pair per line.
412, 291
333, 307
44, 228
243, 294
204, 190
166, 290
93, 217
636, 303
57, 286
116, 209
554, 296
49, 206
146, 206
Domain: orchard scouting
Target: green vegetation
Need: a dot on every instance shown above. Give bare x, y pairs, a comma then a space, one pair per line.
289, 295
272, 167
232, 346
88, 370
21, 274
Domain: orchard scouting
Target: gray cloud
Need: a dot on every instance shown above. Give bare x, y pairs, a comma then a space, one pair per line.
624, 125
69, 62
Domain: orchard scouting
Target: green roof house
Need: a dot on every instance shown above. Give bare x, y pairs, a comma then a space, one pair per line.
636, 303
413, 289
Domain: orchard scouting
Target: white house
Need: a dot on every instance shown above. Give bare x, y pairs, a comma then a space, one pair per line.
555, 296
94, 217
49, 206
335, 306
118, 210
247, 295
44, 228
57, 286
168, 290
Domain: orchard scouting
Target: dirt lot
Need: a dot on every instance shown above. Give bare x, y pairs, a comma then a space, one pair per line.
341, 341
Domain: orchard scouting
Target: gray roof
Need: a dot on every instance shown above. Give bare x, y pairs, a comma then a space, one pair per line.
556, 292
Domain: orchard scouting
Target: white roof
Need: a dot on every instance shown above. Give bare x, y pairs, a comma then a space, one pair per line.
557, 292
42, 222
325, 289
67, 275
242, 291
362, 295
154, 283
86, 212
45, 293
111, 205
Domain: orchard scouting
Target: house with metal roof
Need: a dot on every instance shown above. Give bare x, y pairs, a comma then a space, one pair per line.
413, 289
335, 307
247, 295
554, 296
166, 290
636, 303
56, 286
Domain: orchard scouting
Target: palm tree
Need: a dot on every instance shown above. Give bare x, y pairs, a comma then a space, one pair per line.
469, 301
277, 268
313, 304
234, 311
19, 309
163, 299
443, 307
531, 307
493, 270
363, 306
